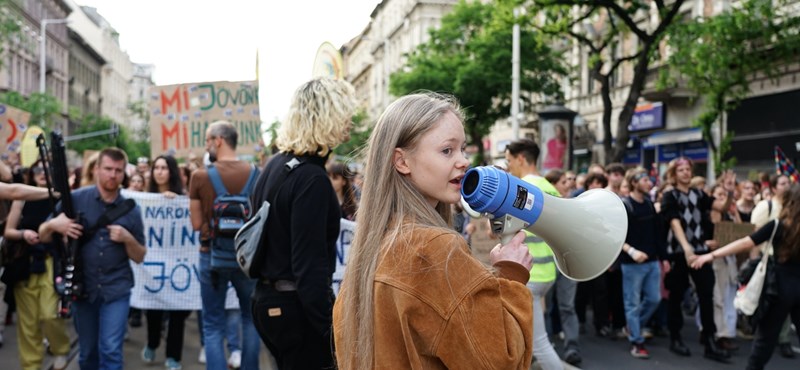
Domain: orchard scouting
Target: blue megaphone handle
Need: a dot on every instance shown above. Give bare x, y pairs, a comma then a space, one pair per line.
490, 190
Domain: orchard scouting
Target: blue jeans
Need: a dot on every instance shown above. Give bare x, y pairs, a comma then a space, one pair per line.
213, 291
232, 329
101, 330
641, 291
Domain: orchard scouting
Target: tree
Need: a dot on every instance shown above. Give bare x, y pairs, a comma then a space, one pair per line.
8, 29
469, 56
359, 135
571, 18
44, 108
124, 140
726, 51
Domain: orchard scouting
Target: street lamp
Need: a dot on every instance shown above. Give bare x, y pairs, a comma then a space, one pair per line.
42, 50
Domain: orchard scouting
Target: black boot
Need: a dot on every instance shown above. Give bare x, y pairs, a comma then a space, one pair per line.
677, 347
714, 352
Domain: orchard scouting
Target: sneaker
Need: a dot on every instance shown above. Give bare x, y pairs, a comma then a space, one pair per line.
148, 355
171, 364
235, 361
786, 350
647, 333
603, 332
638, 351
202, 357
621, 333
572, 357
60, 363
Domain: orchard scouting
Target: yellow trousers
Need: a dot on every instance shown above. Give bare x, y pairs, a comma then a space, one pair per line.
37, 303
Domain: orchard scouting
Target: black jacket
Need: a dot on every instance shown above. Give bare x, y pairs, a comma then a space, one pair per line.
301, 232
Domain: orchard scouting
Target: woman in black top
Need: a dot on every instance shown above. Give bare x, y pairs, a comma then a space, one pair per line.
165, 178
786, 252
341, 180
34, 292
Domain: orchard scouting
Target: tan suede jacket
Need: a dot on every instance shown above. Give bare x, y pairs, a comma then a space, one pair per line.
437, 307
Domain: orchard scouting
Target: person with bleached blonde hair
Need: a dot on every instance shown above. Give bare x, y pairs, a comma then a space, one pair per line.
413, 296
293, 298
319, 118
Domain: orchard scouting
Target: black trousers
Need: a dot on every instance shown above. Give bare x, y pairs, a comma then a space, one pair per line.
594, 291
768, 329
287, 333
676, 282
177, 319
616, 303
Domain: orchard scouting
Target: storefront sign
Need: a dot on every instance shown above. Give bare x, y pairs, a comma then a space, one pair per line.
647, 117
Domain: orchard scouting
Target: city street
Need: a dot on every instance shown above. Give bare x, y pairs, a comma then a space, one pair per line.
598, 353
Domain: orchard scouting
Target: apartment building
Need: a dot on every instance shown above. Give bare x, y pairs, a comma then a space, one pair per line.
396, 28
21, 66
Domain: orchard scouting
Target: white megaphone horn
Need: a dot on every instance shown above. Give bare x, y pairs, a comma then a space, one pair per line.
585, 233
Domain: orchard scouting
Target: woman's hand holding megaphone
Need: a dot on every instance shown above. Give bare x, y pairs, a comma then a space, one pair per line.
515, 251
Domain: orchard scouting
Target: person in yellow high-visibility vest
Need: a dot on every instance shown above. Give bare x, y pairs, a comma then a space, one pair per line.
521, 157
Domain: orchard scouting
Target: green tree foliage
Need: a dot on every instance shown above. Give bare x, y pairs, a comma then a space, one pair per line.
45, 109
124, 140
718, 56
359, 135
8, 28
469, 56
620, 22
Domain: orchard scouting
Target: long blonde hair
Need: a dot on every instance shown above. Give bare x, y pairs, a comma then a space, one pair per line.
319, 117
388, 200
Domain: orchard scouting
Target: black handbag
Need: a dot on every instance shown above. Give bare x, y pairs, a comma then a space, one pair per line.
16, 262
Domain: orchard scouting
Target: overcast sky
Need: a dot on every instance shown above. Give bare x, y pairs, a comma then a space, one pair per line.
205, 40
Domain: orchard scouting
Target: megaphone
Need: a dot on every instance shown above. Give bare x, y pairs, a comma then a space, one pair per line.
585, 233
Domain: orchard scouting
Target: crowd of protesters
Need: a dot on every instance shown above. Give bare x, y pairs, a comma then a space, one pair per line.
670, 267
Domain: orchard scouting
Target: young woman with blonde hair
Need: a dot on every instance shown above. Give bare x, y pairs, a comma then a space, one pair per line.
293, 299
413, 297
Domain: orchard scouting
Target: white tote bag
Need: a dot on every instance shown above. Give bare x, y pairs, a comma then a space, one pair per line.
747, 297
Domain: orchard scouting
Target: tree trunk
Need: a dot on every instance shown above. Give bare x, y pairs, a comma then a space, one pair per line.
625, 116
608, 107
477, 140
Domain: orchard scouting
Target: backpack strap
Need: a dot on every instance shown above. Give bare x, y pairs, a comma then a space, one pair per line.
216, 181
251, 181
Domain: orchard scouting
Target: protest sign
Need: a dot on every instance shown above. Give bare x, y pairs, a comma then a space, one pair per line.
180, 115
347, 231
13, 123
169, 277
726, 232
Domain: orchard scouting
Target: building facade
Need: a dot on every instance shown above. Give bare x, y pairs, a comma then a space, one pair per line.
396, 28
140, 85
85, 66
117, 72
21, 67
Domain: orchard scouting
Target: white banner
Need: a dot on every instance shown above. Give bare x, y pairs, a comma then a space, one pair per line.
347, 231
168, 279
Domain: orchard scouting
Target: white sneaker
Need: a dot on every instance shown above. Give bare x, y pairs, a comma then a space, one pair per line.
235, 361
202, 357
60, 363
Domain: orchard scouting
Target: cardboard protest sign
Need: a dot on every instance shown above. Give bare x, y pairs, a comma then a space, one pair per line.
726, 232
180, 115
13, 123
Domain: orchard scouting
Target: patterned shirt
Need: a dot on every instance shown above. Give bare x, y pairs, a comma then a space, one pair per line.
692, 209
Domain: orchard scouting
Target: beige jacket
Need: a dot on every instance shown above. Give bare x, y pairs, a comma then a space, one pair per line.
437, 307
